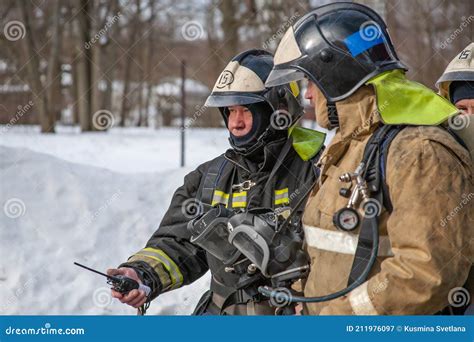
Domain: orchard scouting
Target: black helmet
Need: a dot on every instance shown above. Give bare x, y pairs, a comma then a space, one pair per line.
243, 83
338, 46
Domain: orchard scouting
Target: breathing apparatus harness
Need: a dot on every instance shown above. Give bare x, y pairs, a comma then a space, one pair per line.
271, 241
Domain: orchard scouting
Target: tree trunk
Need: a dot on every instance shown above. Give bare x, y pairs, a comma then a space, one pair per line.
229, 26
54, 67
40, 99
84, 67
125, 108
75, 90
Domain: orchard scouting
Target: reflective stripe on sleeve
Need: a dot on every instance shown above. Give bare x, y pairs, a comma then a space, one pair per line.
360, 301
170, 265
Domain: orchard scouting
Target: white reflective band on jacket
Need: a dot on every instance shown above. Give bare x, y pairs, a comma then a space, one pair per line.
340, 242
360, 301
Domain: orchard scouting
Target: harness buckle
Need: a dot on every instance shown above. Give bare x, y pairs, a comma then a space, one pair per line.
244, 186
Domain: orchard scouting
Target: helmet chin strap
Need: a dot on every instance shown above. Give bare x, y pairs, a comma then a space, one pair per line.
332, 115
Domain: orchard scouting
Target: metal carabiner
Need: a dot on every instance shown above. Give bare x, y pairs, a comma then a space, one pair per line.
244, 186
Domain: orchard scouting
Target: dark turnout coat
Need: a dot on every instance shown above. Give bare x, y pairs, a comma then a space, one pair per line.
169, 260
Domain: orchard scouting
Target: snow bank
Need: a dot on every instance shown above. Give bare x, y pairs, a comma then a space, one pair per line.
94, 198
125, 150
56, 212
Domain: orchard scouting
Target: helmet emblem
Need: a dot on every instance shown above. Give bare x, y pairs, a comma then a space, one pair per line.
225, 79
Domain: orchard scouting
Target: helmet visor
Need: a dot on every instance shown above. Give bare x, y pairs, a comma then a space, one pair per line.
456, 76
232, 99
283, 76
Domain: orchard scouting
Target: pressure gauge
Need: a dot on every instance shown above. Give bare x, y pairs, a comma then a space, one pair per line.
346, 219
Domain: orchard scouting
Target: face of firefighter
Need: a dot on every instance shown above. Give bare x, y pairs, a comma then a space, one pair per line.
466, 106
318, 101
310, 93
240, 120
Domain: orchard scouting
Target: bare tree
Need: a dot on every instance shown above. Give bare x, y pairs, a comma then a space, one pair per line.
134, 31
33, 68
84, 68
149, 55
54, 65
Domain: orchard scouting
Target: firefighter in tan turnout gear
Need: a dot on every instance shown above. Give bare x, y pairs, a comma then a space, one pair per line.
457, 85
387, 226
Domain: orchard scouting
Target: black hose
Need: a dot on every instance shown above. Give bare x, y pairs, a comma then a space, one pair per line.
283, 296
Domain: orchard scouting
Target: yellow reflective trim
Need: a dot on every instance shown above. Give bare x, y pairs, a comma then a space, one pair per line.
295, 90
220, 197
242, 202
172, 268
158, 267
282, 191
284, 200
221, 194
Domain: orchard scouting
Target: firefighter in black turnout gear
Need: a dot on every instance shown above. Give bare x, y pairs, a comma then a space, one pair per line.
270, 165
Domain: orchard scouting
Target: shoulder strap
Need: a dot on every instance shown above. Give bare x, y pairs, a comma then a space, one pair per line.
457, 138
375, 157
385, 145
211, 178
279, 162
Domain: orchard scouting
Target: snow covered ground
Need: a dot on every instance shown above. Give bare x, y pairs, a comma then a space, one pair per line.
94, 198
128, 150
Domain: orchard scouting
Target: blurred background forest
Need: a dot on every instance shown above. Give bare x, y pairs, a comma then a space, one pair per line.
98, 63
106, 77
